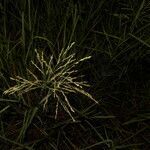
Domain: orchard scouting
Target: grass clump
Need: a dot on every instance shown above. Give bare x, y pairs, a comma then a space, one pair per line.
57, 79
116, 35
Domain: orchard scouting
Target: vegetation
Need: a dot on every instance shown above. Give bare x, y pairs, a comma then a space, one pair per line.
74, 74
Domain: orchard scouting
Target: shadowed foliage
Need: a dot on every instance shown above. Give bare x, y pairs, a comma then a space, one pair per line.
41, 68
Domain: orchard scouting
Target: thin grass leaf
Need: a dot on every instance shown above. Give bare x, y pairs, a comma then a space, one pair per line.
140, 40
28, 117
128, 146
137, 14
4, 109
97, 144
8, 100
14, 143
